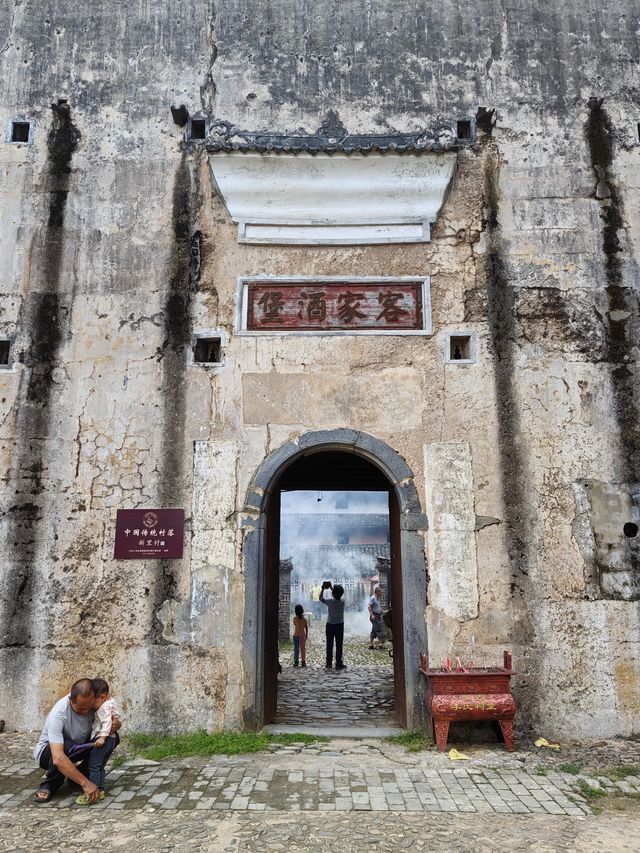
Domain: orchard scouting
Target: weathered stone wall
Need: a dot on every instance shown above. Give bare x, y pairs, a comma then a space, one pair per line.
116, 250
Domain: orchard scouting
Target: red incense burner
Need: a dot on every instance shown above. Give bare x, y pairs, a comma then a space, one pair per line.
475, 693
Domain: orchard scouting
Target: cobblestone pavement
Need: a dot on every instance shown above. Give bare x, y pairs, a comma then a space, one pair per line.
356, 651
31, 831
357, 696
337, 776
343, 795
227, 784
361, 695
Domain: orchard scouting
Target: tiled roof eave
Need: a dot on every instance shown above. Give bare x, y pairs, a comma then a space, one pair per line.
223, 137
214, 147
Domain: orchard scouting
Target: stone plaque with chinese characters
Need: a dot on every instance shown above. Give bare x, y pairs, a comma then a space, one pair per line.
149, 534
340, 305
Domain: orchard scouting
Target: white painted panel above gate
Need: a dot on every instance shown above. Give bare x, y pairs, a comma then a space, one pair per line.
332, 198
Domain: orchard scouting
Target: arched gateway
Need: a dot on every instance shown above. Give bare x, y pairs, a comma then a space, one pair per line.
334, 459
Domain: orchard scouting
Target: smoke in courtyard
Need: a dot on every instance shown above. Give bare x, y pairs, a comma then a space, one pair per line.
339, 536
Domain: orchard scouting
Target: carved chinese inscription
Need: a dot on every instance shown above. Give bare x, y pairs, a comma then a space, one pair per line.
335, 305
271, 304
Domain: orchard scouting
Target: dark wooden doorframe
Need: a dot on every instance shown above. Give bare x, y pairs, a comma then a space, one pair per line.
397, 609
271, 598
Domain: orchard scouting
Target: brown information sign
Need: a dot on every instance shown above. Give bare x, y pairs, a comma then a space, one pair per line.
337, 305
147, 534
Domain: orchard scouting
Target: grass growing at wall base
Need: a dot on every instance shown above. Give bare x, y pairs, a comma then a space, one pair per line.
413, 741
570, 767
617, 774
157, 747
588, 791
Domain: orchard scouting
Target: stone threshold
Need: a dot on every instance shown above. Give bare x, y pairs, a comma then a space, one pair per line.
349, 732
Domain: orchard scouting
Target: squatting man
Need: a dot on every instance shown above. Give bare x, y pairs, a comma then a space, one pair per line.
79, 735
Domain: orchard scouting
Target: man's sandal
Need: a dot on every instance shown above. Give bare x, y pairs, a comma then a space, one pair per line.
83, 799
42, 795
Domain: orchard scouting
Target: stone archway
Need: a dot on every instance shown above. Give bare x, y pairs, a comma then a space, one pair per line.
411, 525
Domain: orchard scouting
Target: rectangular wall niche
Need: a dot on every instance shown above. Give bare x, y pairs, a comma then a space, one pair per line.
5, 353
207, 351
460, 348
20, 131
333, 305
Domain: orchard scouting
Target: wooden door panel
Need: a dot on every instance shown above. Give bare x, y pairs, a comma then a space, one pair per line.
397, 610
270, 598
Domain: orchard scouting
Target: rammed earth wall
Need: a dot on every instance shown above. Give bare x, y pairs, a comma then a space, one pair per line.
116, 250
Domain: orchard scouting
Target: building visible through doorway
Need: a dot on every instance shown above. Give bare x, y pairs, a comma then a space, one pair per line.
342, 537
336, 522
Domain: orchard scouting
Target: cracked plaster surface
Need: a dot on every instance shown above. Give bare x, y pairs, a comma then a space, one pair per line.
103, 448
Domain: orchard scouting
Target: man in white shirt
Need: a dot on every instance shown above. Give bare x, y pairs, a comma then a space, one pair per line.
68, 725
375, 617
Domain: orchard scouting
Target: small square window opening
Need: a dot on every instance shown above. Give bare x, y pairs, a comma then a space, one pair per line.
208, 351
5, 350
460, 348
20, 131
198, 129
464, 129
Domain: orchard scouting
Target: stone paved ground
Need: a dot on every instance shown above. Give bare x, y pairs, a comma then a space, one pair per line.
343, 795
356, 651
230, 784
31, 831
361, 695
358, 696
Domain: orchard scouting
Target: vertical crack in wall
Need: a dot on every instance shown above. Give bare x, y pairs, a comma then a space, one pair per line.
196, 261
44, 320
623, 324
208, 87
499, 39
501, 309
9, 40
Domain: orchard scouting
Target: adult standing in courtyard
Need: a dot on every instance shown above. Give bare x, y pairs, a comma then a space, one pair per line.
334, 629
68, 725
316, 592
375, 617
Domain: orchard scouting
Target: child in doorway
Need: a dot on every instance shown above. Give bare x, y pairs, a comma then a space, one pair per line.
104, 742
300, 636
334, 628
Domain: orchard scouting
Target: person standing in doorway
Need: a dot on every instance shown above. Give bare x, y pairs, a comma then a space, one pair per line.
300, 636
334, 628
376, 638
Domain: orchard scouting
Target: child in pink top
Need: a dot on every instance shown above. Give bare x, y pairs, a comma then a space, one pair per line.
300, 635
